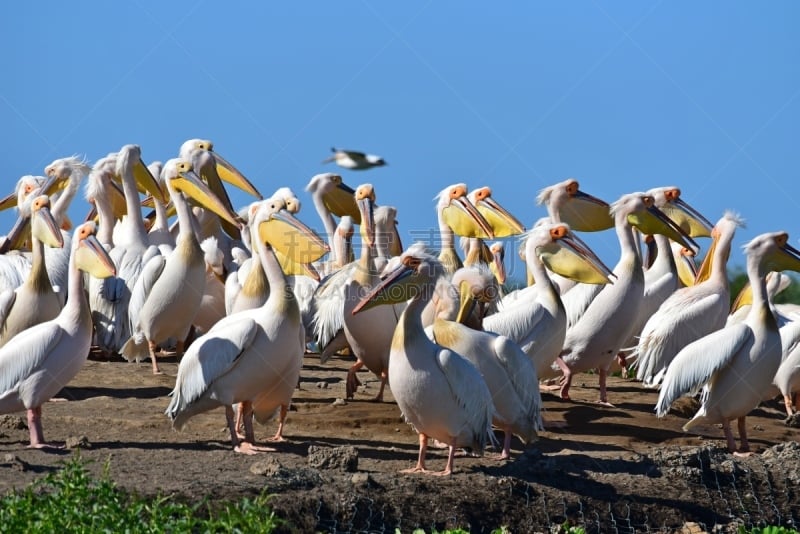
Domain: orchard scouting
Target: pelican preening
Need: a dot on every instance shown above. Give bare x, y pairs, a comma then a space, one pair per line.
354, 161
735, 365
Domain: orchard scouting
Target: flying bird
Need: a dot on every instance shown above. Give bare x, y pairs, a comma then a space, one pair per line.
356, 161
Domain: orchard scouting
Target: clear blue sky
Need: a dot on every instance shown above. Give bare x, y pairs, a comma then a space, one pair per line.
624, 96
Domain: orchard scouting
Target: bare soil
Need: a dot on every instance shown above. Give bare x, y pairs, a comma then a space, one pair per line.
609, 469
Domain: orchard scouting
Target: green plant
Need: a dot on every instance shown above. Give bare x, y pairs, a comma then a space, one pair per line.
767, 530
70, 500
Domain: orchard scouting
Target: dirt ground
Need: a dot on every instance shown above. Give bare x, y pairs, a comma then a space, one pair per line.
610, 469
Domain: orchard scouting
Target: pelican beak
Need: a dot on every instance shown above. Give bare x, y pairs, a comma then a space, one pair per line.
466, 302
16, 237
396, 245
118, 206
146, 183
744, 298
586, 213
654, 221
8, 202
231, 174
651, 251
366, 206
288, 235
341, 201
289, 267
396, 287
465, 220
497, 267
689, 219
569, 256
785, 257
687, 270
92, 215
705, 268
45, 228
90, 256
190, 184
502, 222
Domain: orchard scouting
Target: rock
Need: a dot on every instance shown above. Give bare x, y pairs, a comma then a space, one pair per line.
342, 458
361, 479
12, 422
78, 442
692, 528
268, 468
322, 385
340, 402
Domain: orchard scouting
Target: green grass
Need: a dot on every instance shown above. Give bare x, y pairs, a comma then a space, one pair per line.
71, 500
767, 530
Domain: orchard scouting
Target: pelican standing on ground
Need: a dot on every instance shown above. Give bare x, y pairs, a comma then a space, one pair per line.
594, 341
738, 363
39, 361
253, 356
438, 391
173, 286
34, 301
691, 312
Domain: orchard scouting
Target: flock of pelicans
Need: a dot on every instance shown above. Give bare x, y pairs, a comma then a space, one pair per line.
240, 295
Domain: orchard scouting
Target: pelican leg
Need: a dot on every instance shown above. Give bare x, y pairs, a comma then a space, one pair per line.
506, 453
423, 450
384, 379
623, 363
281, 418
603, 376
352, 382
36, 431
179, 346
790, 406
240, 420
726, 428
566, 380
448, 469
245, 446
152, 347
745, 446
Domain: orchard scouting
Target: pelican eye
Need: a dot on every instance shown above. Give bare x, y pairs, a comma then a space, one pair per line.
648, 201
673, 194
782, 239
572, 188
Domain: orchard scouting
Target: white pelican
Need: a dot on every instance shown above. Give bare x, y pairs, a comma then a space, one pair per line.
691, 312
594, 341
537, 320
39, 361
34, 301
787, 378
158, 234
15, 239
457, 216
737, 363
253, 356
438, 391
332, 197
582, 212
508, 372
109, 298
355, 161
369, 334
173, 285
105, 196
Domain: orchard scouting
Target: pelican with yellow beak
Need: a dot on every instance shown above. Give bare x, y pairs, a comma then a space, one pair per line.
110, 297
537, 320
35, 301
594, 341
440, 393
39, 361
691, 312
169, 291
253, 356
737, 364
458, 216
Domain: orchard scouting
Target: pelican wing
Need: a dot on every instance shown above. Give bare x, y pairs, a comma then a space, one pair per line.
468, 388
681, 319
517, 322
577, 300
522, 373
7, 299
698, 361
143, 285
26, 352
209, 357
